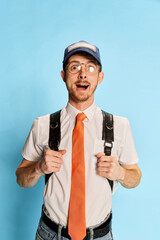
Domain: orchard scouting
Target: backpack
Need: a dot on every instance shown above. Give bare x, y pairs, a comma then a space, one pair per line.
107, 135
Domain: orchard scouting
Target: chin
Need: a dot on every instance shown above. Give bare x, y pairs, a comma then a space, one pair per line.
81, 98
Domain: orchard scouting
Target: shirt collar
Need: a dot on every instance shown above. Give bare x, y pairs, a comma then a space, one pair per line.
89, 112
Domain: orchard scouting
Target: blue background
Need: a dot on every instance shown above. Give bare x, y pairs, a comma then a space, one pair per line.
33, 35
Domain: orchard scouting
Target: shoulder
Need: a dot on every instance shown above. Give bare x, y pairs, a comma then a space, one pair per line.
40, 125
42, 120
121, 124
119, 121
122, 128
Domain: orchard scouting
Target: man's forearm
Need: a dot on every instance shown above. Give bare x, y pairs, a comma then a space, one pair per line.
130, 177
28, 176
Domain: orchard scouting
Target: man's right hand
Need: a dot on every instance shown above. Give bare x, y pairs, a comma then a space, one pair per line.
29, 172
51, 162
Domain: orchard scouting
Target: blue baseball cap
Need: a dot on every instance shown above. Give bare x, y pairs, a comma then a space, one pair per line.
81, 46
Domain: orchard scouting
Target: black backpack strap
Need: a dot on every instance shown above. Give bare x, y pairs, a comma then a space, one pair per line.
108, 136
54, 135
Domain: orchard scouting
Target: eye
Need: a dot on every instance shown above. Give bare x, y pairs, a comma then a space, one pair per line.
91, 67
75, 67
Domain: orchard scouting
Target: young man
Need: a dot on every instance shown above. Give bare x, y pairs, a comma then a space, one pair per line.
77, 195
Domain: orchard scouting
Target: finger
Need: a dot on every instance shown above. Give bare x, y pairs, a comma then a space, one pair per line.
57, 160
105, 174
104, 168
51, 158
55, 165
104, 164
100, 154
51, 170
51, 167
62, 151
53, 153
104, 159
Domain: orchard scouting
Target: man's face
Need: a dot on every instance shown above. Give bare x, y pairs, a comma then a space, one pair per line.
82, 84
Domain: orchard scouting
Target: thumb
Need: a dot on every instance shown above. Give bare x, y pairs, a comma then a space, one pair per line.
62, 151
99, 155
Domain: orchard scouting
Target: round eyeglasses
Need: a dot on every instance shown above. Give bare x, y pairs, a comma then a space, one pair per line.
75, 67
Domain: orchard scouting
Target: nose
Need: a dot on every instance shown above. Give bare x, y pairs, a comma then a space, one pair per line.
82, 73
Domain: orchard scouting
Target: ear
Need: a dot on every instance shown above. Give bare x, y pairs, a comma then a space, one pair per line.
63, 75
100, 77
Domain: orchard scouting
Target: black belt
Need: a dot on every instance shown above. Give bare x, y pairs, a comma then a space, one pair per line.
99, 231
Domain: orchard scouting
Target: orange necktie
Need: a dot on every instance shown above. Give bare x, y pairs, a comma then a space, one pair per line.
77, 218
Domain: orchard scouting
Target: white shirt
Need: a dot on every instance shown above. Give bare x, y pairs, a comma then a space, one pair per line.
98, 191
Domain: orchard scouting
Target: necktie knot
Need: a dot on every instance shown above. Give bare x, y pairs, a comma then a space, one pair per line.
80, 116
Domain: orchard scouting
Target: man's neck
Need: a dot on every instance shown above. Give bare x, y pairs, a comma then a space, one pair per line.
81, 106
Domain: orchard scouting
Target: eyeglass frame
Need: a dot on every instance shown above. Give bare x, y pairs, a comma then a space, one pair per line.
96, 65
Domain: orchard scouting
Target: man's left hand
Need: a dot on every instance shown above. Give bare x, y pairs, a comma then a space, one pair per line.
108, 167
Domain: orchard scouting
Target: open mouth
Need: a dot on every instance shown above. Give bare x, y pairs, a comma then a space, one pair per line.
82, 86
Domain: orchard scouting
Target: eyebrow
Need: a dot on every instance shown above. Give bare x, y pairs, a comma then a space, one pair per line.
89, 61
74, 62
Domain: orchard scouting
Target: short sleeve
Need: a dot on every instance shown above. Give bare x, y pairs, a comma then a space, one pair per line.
32, 150
127, 154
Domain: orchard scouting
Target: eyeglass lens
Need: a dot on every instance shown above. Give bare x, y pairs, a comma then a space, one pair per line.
74, 67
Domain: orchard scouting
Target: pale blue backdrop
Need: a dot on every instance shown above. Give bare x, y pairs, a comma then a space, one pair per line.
33, 35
